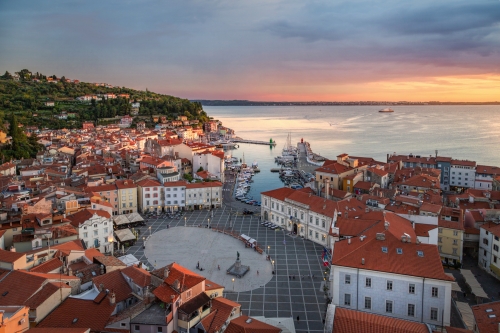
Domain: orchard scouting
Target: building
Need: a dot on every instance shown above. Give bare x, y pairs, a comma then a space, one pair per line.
95, 228
127, 196
210, 126
484, 176
305, 214
486, 317
149, 196
462, 174
14, 318
489, 248
175, 196
212, 162
204, 195
451, 235
8, 169
386, 271
108, 192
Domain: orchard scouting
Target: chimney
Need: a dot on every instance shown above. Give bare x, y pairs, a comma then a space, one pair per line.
112, 298
348, 241
403, 238
386, 225
177, 285
101, 287
367, 210
165, 272
362, 261
70, 271
102, 269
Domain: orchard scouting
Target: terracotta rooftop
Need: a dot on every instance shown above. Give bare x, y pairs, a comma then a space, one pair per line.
140, 276
245, 324
9, 256
48, 266
487, 317
347, 321
114, 281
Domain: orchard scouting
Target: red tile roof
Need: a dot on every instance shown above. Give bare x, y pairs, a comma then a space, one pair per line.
148, 183
9, 256
494, 228
422, 230
84, 215
74, 313
43, 294
19, 286
334, 168
220, 313
58, 330
483, 315
348, 321
47, 266
245, 324
351, 254
140, 276
114, 281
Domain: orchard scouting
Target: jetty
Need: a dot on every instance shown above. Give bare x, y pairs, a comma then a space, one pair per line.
256, 142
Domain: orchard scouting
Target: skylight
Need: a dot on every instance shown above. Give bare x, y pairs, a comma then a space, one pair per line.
489, 310
491, 316
399, 250
384, 249
420, 253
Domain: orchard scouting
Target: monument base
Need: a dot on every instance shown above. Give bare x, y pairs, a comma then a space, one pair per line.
237, 269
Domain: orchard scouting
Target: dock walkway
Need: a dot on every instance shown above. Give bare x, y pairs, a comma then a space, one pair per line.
255, 142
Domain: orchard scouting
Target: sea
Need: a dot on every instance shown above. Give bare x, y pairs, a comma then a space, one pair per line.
461, 132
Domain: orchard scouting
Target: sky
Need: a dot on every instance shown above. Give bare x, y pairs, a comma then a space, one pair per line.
263, 50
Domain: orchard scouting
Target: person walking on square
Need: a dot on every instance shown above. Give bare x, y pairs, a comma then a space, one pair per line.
298, 318
257, 272
218, 267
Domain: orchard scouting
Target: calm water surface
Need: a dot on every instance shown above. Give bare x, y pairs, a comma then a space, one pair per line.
461, 132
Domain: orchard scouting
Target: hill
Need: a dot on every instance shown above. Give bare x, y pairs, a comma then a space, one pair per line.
30, 95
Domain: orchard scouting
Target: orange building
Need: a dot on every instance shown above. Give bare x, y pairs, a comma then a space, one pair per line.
14, 318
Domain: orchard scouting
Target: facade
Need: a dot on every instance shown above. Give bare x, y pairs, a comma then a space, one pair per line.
451, 234
385, 271
301, 213
204, 195
149, 196
489, 248
175, 196
462, 174
213, 162
14, 318
95, 227
127, 196
484, 177
107, 192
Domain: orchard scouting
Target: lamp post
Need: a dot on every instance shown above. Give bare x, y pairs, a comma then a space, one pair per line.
143, 242
233, 284
185, 221
209, 223
274, 267
268, 250
149, 231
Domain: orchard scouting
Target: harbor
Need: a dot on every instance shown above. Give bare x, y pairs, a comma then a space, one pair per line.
271, 142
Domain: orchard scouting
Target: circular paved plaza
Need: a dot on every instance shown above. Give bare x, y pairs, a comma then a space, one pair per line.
189, 245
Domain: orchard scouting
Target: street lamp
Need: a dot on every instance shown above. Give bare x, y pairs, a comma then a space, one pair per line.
233, 284
143, 242
209, 223
268, 250
149, 231
185, 221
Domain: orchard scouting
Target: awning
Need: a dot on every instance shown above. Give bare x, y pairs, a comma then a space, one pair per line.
475, 287
466, 313
252, 241
245, 237
134, 217
124, 235
121, 219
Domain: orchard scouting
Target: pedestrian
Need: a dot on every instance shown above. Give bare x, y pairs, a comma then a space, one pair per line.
293, 277
218, 267
289, 277
198, 265
298, 318
257, 272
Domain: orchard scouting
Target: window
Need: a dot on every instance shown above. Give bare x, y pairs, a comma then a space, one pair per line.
368, 303
434, 292
136, 327
420, 253
106, 231
455, 251
440, 230
347, 299
411, 288
440, 239
384, 249
388, 306
411, 310
347, 279
85, 234
317, 221
317, 235
272, 205
434, 314
389, 285
455, 232
440, 248
310, 219
159, 329
96, 232
301, 215
455, 242
495, 259
399, 250
323, 223
368, 282
495, 247
485, 241
188, 294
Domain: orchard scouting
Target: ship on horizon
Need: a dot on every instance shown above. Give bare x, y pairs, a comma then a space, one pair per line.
386, 110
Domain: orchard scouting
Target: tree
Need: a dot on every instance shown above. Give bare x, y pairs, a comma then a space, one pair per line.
7, 76
200, 169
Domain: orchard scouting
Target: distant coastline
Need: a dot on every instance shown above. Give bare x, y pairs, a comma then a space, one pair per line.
205, 102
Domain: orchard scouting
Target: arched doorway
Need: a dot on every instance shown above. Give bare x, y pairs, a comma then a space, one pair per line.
295, 228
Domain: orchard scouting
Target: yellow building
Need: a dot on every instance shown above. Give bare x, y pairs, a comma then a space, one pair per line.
14, 319
451, 234
127, 196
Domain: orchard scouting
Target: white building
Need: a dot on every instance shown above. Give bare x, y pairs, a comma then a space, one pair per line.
149, 196
305, 214
204, 195
175, 196
384, 271
462, 173
211, 161
489, 248
94, 227
484, 177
